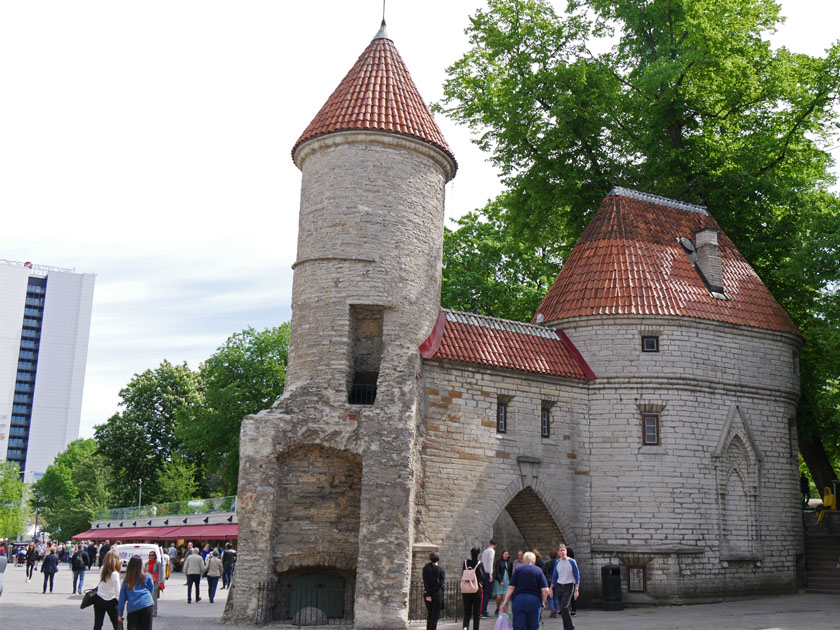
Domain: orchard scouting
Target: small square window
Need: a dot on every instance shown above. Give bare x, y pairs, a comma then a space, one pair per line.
545, 422
501, 417
636, 578
650, 429
650, 344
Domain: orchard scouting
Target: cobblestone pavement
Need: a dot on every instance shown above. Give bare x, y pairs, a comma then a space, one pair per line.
24, 607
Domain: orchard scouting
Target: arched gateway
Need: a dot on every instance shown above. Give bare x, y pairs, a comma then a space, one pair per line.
643, 421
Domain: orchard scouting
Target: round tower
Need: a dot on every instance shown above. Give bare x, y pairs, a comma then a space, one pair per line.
327, 475
367, 275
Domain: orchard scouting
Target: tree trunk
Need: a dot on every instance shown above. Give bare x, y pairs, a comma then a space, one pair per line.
818, 463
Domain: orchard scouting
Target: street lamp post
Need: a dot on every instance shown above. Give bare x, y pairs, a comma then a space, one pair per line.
139, 493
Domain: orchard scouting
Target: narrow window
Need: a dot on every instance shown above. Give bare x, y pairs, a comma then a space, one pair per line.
545, 422
636, 578
650, 344
650, 429
366, 337
501, 417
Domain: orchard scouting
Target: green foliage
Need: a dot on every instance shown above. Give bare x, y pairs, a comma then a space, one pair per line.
177, 480
138, 441
485, 268
74, 487
245, 375
687, 100
13, 512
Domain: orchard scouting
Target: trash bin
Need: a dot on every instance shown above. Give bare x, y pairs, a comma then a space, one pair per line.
611, 585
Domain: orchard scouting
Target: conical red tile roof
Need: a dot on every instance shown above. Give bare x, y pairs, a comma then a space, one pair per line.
629, 261
377, 94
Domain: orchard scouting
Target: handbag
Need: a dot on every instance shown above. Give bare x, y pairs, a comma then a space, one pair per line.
88, 598
469, 582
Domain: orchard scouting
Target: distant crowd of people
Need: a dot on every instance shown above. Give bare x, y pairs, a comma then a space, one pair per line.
135, 597
524, 586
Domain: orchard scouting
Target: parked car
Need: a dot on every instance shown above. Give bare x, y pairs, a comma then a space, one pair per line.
126, 551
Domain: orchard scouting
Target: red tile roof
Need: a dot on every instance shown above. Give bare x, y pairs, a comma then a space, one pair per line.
502, 343
377, 94
629, 261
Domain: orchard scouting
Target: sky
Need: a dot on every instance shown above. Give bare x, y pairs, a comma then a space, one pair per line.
149, 143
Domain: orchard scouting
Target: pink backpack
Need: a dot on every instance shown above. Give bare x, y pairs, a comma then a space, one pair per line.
469, 582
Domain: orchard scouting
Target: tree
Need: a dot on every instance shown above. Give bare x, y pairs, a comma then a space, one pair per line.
139, 440
73, 488
487, 269
245, 375
177, 480
13, 512
691, 102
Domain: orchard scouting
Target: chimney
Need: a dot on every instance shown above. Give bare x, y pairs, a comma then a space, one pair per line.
708, 258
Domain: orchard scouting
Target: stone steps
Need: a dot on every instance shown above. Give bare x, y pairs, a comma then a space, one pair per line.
821, 555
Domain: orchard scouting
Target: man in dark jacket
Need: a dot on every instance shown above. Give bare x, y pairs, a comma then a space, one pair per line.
105, 548
433, 579
49, 567
228, 560
91, 552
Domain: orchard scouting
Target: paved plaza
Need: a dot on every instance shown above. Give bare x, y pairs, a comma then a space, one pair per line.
24, 607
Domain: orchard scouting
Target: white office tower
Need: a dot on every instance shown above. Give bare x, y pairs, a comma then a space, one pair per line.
44, 329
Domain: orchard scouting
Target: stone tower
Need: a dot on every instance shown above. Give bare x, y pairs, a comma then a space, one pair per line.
328, 474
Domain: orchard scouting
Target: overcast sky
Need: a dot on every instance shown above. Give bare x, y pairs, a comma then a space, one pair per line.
148, 143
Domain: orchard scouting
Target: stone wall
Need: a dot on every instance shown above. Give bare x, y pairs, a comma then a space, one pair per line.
471, 474
713, 507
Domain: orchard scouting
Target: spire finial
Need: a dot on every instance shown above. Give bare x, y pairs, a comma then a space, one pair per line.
382, 33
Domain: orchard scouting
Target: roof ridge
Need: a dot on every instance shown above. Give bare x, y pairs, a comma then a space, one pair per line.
657, 199
497, 323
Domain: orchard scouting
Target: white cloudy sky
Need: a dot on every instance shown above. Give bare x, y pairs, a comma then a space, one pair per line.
148, 142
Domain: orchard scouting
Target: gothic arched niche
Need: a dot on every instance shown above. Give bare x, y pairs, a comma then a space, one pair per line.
737, 460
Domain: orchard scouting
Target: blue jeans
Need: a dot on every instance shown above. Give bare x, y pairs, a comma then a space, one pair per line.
526, 611
227, 576
78, 577
212, 583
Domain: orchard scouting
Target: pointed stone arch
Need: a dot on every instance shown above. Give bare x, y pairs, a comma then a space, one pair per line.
737, 460
533, 495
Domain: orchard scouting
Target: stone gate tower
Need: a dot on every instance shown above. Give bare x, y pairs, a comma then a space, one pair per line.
328, 474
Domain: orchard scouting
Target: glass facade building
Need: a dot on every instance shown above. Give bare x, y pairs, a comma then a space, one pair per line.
44, 329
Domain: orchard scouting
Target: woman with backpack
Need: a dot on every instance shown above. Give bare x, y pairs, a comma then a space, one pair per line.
472, 578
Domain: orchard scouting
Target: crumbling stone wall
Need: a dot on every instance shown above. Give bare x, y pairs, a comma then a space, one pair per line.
370, 242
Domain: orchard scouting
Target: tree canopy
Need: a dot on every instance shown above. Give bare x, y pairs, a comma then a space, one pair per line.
13, 509
245, 375
682, 98
73, 488
139, 440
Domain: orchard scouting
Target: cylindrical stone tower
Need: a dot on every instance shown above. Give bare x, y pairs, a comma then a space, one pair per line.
327, 475
370, 237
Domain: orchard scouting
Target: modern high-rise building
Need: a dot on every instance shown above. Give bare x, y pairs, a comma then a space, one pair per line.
44, 330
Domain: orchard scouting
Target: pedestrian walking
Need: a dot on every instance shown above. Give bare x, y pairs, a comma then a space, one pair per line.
433, 578
154, 569
31, 561
49, 567
107, 591
213, 570
193, 569
79, 564
472, 601
3, 563
228, 562
565, 584
136, 597
528, 589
